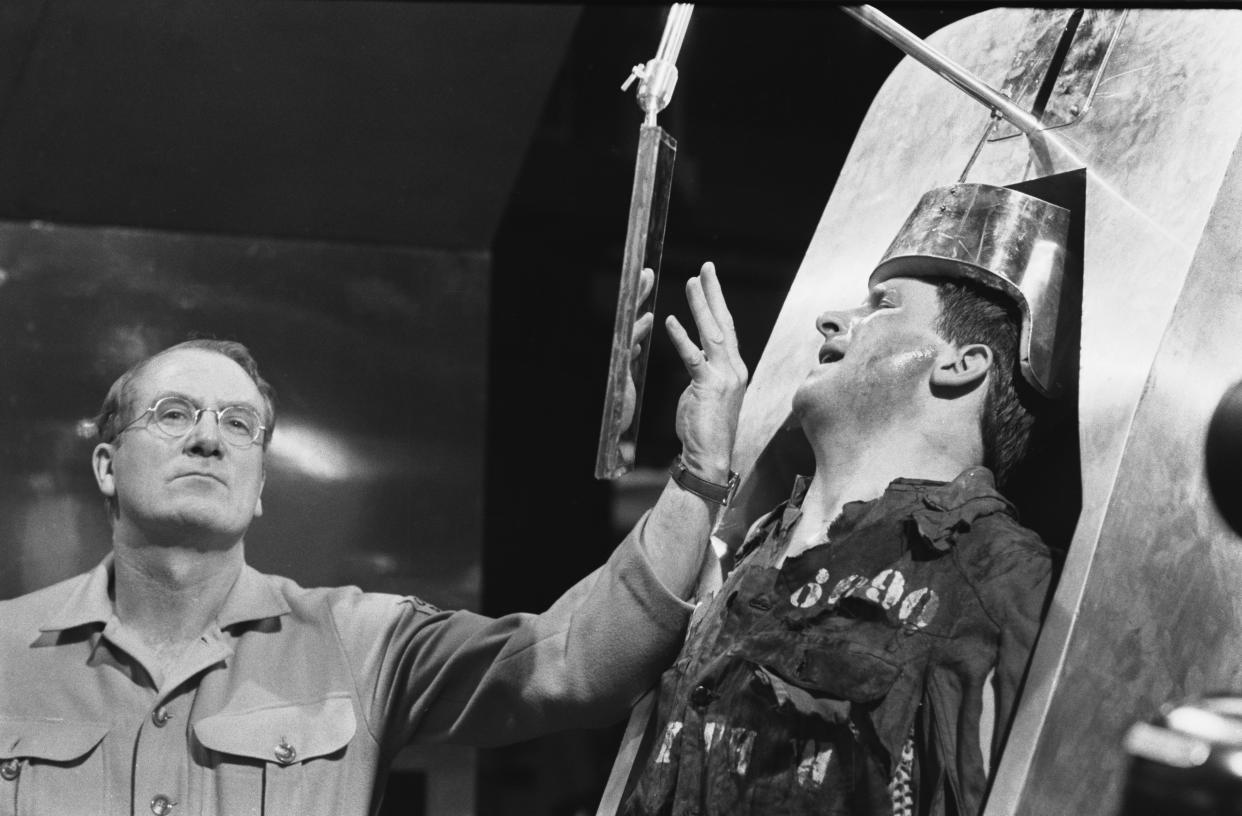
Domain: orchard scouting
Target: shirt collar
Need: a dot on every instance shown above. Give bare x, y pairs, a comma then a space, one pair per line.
972, 493
971, 483
88, 602
252, 597
944, 511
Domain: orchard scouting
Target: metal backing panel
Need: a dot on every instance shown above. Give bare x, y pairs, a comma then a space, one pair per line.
1160, 616
1156, 144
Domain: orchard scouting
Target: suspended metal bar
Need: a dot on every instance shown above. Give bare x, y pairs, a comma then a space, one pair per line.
674, 31
658, 77
644, 248
904, 39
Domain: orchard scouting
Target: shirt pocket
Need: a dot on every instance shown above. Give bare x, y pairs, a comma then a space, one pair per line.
282, 760
51, 766
842, 665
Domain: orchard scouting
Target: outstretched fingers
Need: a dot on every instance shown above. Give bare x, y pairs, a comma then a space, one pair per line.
710, 334
720, 346
716, 303
715, 329
646, 280
692, 356
708, 409
642, 329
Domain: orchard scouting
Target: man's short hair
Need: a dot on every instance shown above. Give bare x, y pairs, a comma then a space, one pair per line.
971, 313
116, 411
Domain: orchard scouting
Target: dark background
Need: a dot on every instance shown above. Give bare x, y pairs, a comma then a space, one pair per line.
766, 107
494, 134
765, 110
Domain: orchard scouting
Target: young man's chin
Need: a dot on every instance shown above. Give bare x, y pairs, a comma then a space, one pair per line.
810, 407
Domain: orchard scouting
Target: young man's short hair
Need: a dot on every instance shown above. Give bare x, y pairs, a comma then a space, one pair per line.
972, 313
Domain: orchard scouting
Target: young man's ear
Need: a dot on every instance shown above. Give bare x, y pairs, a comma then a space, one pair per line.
101, 464
962, 366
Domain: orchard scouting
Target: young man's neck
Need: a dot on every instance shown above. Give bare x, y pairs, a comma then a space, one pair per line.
854, 465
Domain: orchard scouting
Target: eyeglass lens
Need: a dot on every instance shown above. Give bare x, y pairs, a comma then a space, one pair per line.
238, 424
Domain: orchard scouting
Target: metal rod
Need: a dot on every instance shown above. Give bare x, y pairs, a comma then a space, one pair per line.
658, 77
904, 39
674, 31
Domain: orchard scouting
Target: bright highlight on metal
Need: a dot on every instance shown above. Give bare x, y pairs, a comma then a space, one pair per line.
904, 39
1002, 239
674, 31
658, 78
644, 247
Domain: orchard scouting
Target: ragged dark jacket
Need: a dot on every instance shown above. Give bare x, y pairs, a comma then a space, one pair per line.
850, 680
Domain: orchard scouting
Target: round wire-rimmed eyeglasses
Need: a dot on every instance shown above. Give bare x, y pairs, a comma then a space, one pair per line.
239, 425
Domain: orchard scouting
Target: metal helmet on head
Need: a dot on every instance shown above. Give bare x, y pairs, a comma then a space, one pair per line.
1000, 238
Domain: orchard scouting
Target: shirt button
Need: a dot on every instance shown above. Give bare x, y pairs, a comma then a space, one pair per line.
285, 753
161, 716
161, 805
701, 696
10, 769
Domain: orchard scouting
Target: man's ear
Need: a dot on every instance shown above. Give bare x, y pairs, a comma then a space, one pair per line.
258, 502
960, 367
101, 464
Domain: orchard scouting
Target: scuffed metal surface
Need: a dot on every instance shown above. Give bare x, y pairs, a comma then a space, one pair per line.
1151, 572
1032, 58
1160, 617
1004, 240
1094, 33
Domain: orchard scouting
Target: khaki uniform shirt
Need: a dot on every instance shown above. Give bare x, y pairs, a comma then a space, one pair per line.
296, 700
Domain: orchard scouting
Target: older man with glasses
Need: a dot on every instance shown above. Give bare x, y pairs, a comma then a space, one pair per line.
173, 678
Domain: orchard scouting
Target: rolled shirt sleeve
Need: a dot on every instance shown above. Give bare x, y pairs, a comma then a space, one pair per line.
423, 675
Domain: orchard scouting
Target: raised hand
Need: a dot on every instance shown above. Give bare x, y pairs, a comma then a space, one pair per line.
708, 409
642, 328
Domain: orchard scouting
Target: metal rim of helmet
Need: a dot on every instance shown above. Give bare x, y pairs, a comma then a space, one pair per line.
1000, 238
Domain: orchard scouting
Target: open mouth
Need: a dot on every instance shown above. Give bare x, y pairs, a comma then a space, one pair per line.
829, 353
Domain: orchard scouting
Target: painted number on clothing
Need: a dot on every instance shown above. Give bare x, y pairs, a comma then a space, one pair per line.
888, 589
738, 742
814, 766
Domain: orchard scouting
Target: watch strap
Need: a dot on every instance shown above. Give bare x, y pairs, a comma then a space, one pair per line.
712, 492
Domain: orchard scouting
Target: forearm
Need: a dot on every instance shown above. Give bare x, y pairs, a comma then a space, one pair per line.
582, 662
676, 538
677, 532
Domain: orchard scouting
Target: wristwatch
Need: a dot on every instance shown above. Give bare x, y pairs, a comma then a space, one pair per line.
712, 492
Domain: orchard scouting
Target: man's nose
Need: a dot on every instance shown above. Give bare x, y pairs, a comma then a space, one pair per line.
204, 438
832, 323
